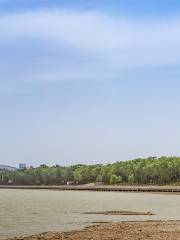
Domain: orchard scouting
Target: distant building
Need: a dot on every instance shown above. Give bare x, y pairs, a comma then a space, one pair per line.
99, 183
10, 181
7, 168
69, 183
22, 166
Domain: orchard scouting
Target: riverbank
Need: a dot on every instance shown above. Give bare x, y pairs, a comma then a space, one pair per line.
152, 189
117, 231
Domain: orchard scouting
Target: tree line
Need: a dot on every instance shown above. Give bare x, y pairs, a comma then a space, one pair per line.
152, 170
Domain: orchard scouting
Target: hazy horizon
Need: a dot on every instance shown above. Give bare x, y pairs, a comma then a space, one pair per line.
65, 164
88, 82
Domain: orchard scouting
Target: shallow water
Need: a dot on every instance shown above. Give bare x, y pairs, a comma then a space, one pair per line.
25, 212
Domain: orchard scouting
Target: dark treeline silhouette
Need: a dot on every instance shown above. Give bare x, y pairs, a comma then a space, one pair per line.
152, 170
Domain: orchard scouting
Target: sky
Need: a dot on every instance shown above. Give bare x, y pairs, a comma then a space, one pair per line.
93, 81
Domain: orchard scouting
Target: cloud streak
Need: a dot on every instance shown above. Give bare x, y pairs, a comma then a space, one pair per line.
67, 45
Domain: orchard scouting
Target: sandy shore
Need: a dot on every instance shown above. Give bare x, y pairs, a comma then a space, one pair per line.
114, 231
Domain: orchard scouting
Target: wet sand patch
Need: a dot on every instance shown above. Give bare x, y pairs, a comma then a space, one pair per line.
121, 213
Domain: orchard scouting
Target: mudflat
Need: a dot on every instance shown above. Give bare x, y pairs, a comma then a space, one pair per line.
113, 231
121, 213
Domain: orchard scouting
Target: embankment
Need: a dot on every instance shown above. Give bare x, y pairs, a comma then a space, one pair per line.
152, 189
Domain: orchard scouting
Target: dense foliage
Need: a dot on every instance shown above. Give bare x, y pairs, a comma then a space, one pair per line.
152, 170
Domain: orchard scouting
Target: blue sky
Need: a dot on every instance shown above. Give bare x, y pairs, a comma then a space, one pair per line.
88, 81
131, 7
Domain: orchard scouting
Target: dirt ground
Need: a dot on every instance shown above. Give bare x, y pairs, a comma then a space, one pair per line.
114, 231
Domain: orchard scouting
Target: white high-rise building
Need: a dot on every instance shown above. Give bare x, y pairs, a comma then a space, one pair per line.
22, 166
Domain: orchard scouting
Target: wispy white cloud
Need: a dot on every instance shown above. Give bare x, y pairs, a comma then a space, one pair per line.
85, 44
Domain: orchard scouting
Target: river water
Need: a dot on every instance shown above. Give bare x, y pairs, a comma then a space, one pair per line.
25, 212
